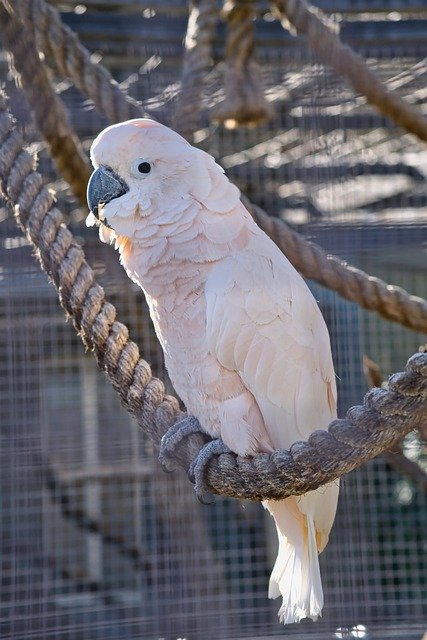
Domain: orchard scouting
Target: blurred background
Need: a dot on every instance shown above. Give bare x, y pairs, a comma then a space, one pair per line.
96, 542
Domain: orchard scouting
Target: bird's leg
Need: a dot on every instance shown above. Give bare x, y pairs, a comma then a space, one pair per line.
198, 468
173, 437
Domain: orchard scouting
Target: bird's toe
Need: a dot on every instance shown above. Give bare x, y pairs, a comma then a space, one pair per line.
173, 437
198, 468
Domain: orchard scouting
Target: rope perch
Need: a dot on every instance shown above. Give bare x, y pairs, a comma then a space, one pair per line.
383, 419
367, 430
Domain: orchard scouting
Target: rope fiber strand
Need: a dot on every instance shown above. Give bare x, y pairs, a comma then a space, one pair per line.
367, 430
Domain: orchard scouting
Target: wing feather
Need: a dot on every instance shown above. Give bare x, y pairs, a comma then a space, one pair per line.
264, 323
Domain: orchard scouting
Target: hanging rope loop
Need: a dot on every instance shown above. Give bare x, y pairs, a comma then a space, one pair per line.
244, 102
197, 62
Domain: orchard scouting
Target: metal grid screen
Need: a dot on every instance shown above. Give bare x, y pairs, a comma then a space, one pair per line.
96, 542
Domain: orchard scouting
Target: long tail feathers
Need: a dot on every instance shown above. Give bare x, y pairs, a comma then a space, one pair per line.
296, 573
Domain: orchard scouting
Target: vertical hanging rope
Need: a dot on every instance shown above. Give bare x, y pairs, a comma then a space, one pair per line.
49, 112
244, 102
196, 64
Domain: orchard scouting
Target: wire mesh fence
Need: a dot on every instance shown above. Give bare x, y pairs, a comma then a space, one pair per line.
96, 542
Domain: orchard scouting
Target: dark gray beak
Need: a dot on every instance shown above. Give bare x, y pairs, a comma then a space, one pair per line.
104, 185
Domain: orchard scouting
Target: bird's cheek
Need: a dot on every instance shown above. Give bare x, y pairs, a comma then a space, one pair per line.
122, 226
111, 216
128, 213
144, 203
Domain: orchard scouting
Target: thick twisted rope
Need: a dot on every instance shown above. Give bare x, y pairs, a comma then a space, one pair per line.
395, 456
391, 302
196, 64
367, 430
80, 296
244, 101
49, 112
383, 419
60, 44
323, 38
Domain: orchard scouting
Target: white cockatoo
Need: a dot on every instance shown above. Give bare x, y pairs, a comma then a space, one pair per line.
245, 344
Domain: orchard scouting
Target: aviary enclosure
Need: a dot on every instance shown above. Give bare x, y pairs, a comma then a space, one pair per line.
319, 116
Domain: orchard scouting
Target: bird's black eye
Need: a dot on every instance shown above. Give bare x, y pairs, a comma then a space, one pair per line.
144, 167
140, 168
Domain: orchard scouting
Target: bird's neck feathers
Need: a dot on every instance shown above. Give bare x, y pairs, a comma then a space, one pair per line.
124, 246
183, 253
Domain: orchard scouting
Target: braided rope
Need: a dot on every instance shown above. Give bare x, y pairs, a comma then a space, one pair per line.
60, 44
244, 101
324, 40
80, 296
49, 112
196, 64
383, 419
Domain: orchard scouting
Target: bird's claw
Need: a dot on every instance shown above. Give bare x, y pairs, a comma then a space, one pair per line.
172, 438
197, 470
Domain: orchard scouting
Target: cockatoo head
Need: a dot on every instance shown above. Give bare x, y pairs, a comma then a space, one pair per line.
145, 175
137, 166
